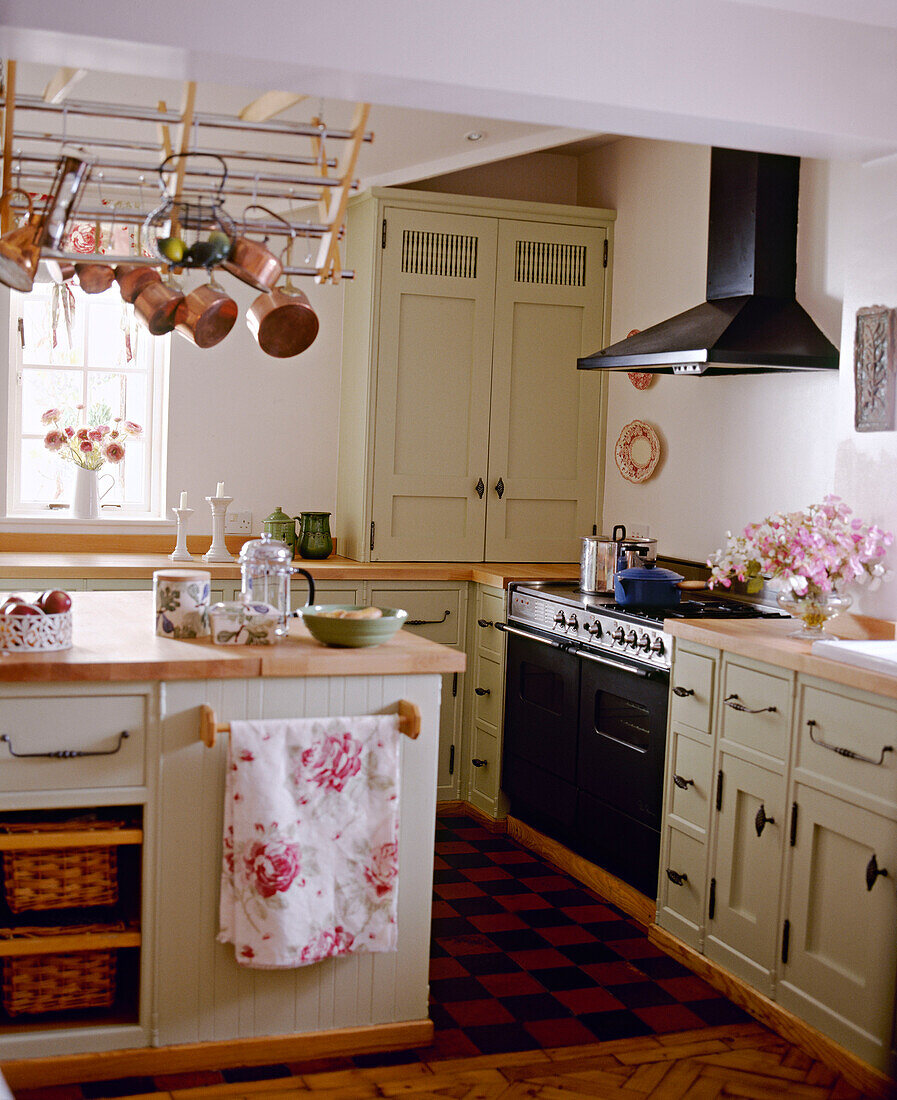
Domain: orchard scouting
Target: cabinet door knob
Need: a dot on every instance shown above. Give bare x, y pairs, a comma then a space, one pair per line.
485, 622
478, 763
761, 820
482, 691
683, 784
873, 871
683, 692
500, 488
678, 877
480, 488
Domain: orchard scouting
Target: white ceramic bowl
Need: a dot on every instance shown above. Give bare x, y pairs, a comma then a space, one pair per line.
335, 631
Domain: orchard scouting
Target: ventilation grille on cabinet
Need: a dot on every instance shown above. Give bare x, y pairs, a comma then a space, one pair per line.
450, 254
550, 263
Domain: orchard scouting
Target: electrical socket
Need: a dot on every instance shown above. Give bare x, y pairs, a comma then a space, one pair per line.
238, 523
638, 530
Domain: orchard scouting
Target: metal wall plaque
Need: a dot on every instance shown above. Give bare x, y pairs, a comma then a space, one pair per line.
874, 367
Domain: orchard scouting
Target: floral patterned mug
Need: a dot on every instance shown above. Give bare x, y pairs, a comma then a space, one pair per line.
181, 600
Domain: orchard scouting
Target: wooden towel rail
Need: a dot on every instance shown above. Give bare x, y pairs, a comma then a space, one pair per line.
409, 722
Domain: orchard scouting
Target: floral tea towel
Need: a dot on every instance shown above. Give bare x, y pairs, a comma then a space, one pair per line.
310, 867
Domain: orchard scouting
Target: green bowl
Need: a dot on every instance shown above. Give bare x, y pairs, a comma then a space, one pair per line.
351, 632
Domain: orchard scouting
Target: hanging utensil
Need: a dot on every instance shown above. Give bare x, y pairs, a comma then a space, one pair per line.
283, 321
250, 261
133, 278
157, 306
20, 248
94, 278
71, 175
206, 316
191, 232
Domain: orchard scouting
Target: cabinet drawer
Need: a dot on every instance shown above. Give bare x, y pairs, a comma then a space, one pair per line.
756, 709
690, 781
683, 877
691, 689
491, 610
832, 724
487, 691
438, 608
77, 723
485, 764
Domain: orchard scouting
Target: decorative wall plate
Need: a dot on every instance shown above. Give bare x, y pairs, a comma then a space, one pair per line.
637, 451
640, 379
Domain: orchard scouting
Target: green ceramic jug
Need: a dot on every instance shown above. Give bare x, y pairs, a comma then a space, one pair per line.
314, 535
281, 527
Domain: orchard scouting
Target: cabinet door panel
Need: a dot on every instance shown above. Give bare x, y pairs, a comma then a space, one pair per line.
544, 429
756, 709
747, 869
681, 887
693, 675
842, 948
690, 796
433, 376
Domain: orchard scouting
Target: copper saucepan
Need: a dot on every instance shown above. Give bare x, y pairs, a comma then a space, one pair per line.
94, 278
133, 278
157, 307
206, 316
19, 248
250, 261
283, 322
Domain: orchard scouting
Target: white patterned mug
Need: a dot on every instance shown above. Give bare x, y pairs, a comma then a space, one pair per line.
181, 600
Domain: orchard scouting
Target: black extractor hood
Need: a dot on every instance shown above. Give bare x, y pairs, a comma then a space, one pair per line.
751, 322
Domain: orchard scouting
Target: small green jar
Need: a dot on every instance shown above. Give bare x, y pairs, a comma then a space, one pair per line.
282, 527
314, 535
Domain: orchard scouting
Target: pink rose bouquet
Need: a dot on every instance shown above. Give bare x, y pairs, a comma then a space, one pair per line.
88, 447
816, 551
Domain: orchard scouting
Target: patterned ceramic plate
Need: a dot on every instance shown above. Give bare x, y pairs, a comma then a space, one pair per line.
638, 451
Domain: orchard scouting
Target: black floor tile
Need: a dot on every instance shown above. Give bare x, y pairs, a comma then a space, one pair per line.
500, 1038
446, 990
499, 963
476, 907
535, 1006
641, 994
565, 977
584, 953
615, 1024
518, 939
254, 1073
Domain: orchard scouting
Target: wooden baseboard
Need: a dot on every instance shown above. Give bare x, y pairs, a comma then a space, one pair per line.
870, 1081
459, 807
616, 891
29, 1073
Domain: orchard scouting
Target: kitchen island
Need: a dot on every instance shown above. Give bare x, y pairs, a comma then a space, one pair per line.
181, 1000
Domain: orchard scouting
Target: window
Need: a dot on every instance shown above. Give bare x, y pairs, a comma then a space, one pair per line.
70, 349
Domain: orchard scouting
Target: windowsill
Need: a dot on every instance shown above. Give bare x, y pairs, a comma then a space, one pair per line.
105, 523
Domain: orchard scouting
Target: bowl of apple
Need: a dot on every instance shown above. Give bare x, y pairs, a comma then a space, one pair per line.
35, 622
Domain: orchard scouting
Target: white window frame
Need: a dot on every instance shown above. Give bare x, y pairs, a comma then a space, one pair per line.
155, 430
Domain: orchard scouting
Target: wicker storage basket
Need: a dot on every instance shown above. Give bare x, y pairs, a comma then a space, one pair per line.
59, 878
50, 983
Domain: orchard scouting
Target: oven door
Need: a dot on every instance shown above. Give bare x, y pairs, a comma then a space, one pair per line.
539, 757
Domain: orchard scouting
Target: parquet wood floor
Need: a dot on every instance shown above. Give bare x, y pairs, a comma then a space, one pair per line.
738, 1060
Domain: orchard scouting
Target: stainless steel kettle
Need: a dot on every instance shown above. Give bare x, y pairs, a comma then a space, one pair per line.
636, 551
599, 561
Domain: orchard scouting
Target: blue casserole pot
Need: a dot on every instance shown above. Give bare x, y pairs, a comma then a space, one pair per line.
647, 586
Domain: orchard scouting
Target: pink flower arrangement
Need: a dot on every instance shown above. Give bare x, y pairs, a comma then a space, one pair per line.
818, 550
89, 447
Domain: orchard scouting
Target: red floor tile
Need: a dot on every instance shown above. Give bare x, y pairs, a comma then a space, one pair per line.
565, 934
455, 847
517, 984
559, 1033
481, 874
595, 999
539, 959
688, 988
477, 1013
442, 909
517, 855
497, 922
517, 902
446, 967
587, 914
636, 948
618, 973
664, 1018
449, 890
549, 883
451, 1043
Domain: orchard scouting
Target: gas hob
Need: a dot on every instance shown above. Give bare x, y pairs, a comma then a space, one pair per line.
599, 624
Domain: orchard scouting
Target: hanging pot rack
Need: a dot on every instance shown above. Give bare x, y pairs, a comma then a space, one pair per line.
330, 192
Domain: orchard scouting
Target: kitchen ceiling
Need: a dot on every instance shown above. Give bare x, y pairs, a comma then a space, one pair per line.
408, 145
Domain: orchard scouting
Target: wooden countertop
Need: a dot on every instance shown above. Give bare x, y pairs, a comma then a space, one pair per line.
114, 640
127, 566
767, 640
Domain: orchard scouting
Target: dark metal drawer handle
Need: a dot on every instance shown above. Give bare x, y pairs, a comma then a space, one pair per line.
683, 692
678, 877
428, 622
482, 691
849, 753
731, 701
64, 754
478, 763
485, 622
873, 871
761, 820
683, 784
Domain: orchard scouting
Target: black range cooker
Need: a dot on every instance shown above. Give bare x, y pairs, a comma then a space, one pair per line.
585, 719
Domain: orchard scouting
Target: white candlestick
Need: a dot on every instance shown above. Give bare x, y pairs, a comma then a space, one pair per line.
219, 492
180, 552
218, 550
183, 503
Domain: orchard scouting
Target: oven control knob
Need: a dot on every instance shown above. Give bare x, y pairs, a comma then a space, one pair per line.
573, 623
644, 643
632, 639
595, 630
657, 646
559, 619
618, 635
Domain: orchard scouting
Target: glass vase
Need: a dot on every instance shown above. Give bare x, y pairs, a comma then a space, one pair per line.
814, 609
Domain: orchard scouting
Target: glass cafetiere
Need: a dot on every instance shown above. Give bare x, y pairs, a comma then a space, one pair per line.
266, 566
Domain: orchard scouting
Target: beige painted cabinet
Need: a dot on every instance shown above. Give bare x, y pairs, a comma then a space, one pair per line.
785, 874
466, 432
482, 751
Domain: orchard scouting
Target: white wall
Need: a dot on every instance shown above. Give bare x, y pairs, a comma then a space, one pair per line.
735, 449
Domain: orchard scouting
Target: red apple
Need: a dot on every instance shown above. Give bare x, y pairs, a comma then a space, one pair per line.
23, 608
53, 601
8, 603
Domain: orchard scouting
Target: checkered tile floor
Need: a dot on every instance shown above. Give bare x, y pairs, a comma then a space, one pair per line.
522, 957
